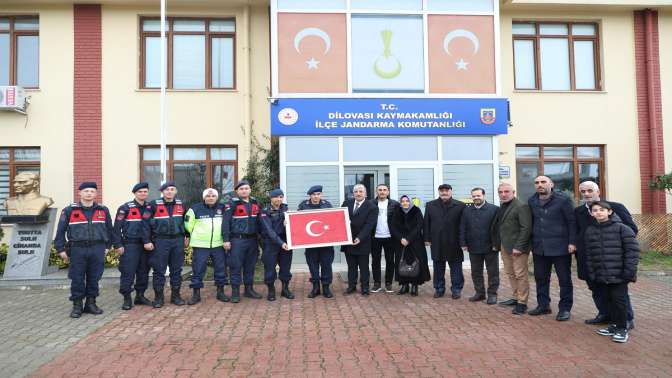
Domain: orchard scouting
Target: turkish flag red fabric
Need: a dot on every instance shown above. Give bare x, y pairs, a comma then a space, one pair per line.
461, 54
312, 53
318, 228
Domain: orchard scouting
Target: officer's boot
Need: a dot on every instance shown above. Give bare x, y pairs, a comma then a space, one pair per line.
128, 302
90, 306
250, 293
221, 296
158, 298
76, 309
271, 292
195, 296
326, 291
175, 297
285, 290
235, 293
316, 290
140, 299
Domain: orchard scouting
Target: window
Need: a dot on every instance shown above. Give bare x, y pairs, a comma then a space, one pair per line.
19, 51
193, 168
556, 56
201, 53
567, 166
15, 160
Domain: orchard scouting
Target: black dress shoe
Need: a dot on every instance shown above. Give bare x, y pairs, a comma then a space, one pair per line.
456, 295
365, 291
403, 289
439, 294
492, 300
599, 319
563, 316
519, 309
477, 298
509, 302
540, 311
350, 290
316, 290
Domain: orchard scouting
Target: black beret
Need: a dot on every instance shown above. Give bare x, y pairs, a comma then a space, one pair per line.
140, 185
276, 193
167, 184
87, 185
241, 183
315, 189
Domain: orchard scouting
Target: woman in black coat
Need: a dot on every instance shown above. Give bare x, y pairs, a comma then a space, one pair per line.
407, 228
612, 255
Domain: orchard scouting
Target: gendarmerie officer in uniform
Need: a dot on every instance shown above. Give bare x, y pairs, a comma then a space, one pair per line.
318, 258
132, 233
203, 223
240, 230
275, 249
83, 235
166, 221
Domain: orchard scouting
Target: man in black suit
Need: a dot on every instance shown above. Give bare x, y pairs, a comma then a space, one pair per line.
590, 192
442, 234
363, 216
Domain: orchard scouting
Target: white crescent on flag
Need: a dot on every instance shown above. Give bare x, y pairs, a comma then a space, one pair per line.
310, 232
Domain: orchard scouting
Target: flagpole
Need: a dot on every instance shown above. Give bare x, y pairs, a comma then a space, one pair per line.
164, 75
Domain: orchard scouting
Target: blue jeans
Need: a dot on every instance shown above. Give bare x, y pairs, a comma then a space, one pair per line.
320, 259
456, 277
86, 269
542, 277
134, 265
244, 253
199, 264
167, 252
273, 256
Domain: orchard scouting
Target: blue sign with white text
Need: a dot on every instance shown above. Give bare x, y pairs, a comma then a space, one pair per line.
389, 116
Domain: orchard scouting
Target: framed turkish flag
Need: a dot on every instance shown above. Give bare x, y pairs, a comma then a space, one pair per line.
318, 228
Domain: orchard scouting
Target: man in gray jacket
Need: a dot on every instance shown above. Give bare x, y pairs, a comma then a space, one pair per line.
476, 239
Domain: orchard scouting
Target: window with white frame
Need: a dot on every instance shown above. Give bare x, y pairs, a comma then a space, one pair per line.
556, 56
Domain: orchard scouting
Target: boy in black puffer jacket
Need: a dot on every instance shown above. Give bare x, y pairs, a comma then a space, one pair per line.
612, 258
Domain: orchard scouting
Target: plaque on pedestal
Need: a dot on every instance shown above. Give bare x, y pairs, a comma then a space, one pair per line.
30, 246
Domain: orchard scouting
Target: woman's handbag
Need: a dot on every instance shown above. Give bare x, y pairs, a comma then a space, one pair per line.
407, 270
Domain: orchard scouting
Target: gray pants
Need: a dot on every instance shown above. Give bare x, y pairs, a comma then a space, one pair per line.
491, 261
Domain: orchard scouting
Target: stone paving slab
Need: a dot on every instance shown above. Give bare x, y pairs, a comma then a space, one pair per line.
382, 335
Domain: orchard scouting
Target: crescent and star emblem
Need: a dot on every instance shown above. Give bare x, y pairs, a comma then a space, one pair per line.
309, 228
316, 32
460, 33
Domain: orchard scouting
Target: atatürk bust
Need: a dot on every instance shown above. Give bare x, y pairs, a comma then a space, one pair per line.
28, 200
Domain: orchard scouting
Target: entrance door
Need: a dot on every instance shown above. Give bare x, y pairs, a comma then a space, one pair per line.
417, 182
369, 176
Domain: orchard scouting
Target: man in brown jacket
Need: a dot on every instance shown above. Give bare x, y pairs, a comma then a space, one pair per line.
511, 231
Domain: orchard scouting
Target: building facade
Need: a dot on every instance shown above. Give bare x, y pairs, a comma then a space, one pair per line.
588, 87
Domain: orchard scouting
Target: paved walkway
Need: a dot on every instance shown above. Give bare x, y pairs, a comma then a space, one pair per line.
382, 335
